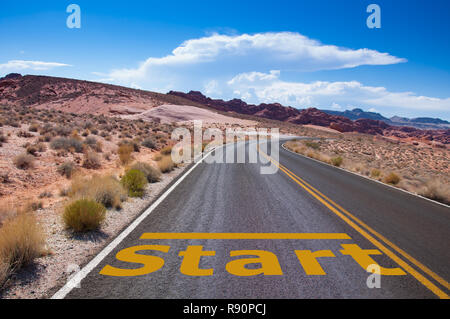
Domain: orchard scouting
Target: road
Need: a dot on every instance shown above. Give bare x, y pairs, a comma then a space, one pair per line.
341, 213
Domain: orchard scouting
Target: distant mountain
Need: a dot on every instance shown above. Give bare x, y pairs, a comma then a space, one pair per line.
426, 123
275, 111
357, 114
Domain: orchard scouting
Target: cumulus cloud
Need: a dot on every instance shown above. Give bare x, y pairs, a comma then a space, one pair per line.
19, 65
268, 87
241, 53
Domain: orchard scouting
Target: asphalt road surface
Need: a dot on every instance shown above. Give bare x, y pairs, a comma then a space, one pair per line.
305, 207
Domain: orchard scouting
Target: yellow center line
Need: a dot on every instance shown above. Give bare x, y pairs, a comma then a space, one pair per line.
316, 194
245, 236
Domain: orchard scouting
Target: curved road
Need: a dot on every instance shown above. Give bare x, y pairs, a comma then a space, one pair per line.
352, 220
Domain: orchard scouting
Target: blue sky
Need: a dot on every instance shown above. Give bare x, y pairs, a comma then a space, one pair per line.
299, 53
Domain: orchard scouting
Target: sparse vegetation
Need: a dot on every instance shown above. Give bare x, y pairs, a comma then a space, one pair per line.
124, 152
166, 164
24, 161
153, 174
66, 169
149, 143
106, 190
91, 160
167, 150
134, 181
21, 241
436, 190
337, 161
67, 144
84, 215
392, 179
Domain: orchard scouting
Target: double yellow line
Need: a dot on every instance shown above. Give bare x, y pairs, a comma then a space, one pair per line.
366, 232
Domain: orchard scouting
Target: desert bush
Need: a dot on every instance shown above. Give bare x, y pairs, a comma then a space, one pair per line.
134, 144
24, 161
337, 161
84, 215
66, 169
313, 145
33, 127
68, 144
32, 150
436, 190
91, 160
392, 178
124, 152
134, 181
3, 138
106, 190
166, 164
21, 241
375, 173
153, 174
167, 150
149, 143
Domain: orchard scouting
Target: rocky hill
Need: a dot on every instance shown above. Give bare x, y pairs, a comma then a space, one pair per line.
314, 116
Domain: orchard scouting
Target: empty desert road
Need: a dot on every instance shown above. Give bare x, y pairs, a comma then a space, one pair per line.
307, 231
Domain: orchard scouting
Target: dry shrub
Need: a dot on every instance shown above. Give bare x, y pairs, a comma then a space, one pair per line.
337, 161
375, 173
167, 150
437, 190
105, 190
21, 241
91, 160
134, 181
84, 215
66, 169
124, 152
24, 161
153, 174
166, 164
392, 178
67, 144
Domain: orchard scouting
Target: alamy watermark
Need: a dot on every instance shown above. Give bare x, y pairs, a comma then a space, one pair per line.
262, 144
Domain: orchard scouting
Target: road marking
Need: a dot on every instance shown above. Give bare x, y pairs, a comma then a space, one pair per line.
424, 281
245, 236
75, 280
424, 268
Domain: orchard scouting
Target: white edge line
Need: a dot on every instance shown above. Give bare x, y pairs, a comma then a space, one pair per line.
79, 276
368, 178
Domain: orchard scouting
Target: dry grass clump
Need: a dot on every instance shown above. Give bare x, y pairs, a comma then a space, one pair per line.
166, 164
91, 160
66, 169
436, 190
24, 161
84, 215
67, 144
21, 241
392, 179
375, 173
124, 152
105, 190
134, 181
336, 161
167, 150
149, 143
153, 174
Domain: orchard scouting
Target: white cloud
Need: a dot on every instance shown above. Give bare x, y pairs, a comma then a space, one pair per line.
19, 65
218, 54
255, 86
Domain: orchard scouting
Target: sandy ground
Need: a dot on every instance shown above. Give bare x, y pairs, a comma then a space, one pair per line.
185, 113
